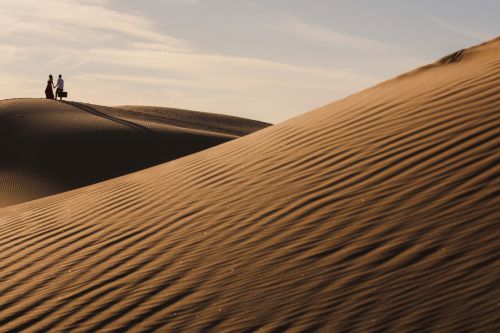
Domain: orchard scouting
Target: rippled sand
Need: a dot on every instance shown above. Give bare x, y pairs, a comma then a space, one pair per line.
377, 213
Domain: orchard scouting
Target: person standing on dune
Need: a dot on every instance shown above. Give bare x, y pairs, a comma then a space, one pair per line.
49, 93
59, 86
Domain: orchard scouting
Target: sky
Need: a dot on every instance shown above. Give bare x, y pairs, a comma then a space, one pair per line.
268, 60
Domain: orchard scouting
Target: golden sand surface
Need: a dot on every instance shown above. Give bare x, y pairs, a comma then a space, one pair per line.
377, 213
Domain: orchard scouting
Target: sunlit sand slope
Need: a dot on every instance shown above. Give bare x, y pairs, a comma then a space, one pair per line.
377, 213
50, 147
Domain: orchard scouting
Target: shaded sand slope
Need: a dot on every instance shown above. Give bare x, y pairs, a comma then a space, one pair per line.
376, 213
204, 121
50, 147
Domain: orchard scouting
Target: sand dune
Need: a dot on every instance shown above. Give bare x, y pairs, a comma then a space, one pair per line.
377, 213
51, 147
210, 122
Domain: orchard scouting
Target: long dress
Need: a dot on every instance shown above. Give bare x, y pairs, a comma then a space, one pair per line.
49, 93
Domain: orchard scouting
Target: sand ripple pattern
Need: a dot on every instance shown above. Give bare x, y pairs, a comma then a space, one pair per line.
377, 213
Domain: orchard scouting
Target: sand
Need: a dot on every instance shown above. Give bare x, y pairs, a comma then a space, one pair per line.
51, 147
377, 213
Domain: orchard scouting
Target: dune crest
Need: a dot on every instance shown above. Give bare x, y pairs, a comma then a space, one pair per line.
378, 212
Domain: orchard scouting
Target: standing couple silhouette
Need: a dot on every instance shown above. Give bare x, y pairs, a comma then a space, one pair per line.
49, 92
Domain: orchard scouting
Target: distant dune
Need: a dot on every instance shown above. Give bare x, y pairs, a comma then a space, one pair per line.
50, 147
377, 213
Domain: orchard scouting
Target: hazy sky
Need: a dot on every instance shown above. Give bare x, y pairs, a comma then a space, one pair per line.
263, 59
